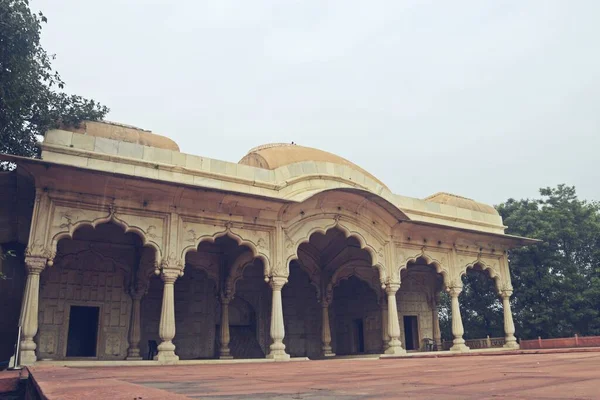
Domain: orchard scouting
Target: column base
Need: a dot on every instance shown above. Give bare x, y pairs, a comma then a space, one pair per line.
27, 357
278, 355
166, 353
225, 357
460, 347
167, 357
134, 358
328, 354
512, 345
394, 348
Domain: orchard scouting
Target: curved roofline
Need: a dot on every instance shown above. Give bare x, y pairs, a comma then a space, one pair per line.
272, 156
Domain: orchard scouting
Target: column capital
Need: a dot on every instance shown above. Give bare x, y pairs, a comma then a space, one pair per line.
392, 288
454, 291
35, 265
169, 275
505, 293
277, 282
225, 298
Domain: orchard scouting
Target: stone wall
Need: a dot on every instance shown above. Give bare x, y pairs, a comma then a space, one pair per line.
354, 300
414, 299
302, 316
83, 276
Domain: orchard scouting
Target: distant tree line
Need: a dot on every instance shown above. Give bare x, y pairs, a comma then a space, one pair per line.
556, 283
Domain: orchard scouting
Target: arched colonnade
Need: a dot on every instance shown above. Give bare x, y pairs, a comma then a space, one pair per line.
314, 257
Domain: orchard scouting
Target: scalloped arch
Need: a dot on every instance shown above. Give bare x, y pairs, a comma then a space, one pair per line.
336, 224
238, 239
111, 218
343, 274
439, 268
493, 273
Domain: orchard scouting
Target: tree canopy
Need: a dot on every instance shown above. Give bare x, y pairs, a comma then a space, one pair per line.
32, 100
556, 283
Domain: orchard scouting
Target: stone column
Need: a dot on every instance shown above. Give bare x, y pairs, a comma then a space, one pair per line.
133, 352
224, 352
326, 330
437, 333
384, 325
510, 341
394, 345
277, 328
457, 325
166, 329
29, 315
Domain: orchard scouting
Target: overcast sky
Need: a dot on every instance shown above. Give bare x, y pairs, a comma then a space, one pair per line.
486, 99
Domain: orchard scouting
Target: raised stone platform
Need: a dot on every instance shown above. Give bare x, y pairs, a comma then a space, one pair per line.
531, 375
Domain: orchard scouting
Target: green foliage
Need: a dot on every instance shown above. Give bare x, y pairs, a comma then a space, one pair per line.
31, 97
556, 283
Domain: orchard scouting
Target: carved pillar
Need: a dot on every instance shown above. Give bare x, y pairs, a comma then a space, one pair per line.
457, 325
510, 341
394, 345
437, 333
166, 329
224, 352
384, 325
29, 309
277, 328
133, 352
326, 330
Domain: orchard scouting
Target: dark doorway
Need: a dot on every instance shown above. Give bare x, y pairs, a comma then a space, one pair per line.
359, 336
411, 332
83, 331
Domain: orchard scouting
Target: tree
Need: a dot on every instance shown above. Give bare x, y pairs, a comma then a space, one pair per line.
556, 283
31, 96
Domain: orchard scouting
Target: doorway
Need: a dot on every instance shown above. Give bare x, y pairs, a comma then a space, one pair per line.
411, 332
359, 336
83, 331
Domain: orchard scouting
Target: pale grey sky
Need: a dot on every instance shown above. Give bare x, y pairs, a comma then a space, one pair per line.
485, 99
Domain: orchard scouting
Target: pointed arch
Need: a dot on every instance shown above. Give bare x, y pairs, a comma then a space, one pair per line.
439, 263
211, 238
111, 218
303, 230
485, 267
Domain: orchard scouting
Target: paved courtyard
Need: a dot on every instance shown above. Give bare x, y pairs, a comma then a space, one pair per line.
525, 376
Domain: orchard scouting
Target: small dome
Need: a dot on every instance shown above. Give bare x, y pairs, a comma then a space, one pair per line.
461, 202
123, 133
275, 155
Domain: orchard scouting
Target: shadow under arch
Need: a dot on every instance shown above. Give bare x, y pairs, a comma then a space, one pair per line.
376, 256
110, 219
227, 233
424, 259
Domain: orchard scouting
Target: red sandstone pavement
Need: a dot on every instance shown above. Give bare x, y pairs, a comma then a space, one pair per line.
525, 376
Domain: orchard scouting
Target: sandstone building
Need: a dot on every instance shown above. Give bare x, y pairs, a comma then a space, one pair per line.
292, 251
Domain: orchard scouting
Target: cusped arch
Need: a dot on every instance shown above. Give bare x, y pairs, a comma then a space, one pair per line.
236, 272
318, 224
111, 218
345, 273
486, 267
256, 253
314, 274
439, 265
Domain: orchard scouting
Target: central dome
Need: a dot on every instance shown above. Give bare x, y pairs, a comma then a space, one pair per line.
275, 155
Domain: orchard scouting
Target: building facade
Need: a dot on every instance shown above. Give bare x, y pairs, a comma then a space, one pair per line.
292, 252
